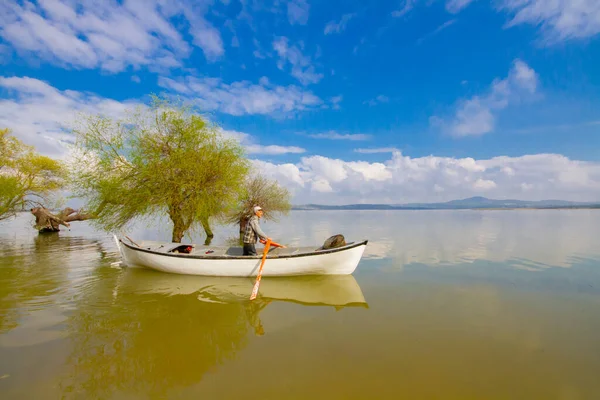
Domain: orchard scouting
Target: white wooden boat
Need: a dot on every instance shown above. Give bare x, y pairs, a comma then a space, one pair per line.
229, 261
324, 290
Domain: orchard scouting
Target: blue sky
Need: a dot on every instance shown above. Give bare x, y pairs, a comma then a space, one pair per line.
378, 101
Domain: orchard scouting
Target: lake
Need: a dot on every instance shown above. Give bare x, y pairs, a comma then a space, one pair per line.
444, 305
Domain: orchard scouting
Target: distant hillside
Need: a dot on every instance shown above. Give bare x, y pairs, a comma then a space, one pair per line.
470, 203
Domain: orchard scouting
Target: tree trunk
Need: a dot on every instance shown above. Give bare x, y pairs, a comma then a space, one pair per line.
206, 225
209, 233
179, 227
178, 231
46, 222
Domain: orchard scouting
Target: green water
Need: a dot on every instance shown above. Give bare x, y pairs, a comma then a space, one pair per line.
444, 305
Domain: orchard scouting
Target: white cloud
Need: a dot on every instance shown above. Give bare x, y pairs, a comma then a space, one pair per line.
322, 186
401, 179
408, 5
243, 97
258, 51
274, 149
455, 6
377, 100
42, 115
206, 36
376, 150
302, 68
252, 147
476, 116
298, 11
560, 20
484, 184
339, 136
288, 174
108, 35
338, 27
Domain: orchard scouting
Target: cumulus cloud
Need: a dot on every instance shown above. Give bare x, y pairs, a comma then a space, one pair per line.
243, 97
42, 115
332, 135
477, 115
338, 27
401, 179
560, 20
302, 68
109, 35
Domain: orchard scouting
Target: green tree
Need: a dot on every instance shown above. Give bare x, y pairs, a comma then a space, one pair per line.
161, 159
26, 178
258, 190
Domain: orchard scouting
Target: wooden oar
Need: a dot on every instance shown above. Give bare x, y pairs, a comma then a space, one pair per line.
132, 241
262, 263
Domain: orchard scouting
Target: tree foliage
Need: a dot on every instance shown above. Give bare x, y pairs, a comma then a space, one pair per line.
160, 159
26, 177
258, 190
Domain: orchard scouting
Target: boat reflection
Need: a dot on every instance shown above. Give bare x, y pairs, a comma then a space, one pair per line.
325, 290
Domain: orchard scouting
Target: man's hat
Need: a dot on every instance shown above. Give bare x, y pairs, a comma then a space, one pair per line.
257, 209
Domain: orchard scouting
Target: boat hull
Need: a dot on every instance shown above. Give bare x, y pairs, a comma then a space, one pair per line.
340, 261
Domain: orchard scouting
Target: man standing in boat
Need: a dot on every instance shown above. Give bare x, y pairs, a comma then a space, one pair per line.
253, 232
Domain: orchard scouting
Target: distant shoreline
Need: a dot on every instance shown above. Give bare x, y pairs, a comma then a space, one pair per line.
471, 203
342, 208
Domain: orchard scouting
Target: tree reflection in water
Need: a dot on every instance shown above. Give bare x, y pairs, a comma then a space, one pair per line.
148, 343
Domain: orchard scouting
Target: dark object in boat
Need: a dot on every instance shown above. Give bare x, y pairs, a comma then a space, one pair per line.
184, 248
334, 242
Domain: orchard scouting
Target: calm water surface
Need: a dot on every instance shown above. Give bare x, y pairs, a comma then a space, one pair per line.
444, 305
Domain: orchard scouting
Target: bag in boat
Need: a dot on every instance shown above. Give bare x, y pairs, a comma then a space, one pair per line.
333, 242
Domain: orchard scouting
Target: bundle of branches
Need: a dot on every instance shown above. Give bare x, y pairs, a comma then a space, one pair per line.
45, 221
268, 194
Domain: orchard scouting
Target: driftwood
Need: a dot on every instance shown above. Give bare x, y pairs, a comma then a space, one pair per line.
45, 221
